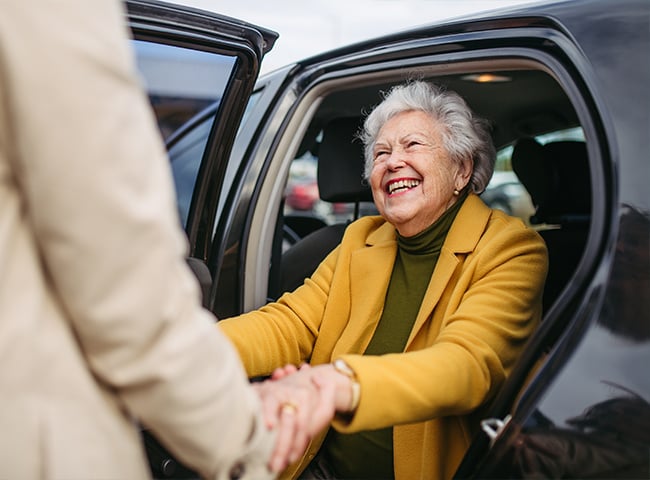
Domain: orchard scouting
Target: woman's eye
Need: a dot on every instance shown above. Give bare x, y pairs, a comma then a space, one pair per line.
380, 153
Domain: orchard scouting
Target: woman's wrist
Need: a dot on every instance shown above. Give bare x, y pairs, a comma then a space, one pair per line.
353, 387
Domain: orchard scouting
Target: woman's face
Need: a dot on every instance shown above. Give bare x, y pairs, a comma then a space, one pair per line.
412, 178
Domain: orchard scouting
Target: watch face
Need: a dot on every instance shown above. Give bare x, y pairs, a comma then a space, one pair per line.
344, 368
355, 393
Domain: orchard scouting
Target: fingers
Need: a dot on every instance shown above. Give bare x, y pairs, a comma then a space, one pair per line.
287, 370
269, 405
290, 443
296, 437
282, 372
291, 420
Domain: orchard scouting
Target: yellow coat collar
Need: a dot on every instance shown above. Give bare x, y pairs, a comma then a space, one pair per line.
376, 263
463, 236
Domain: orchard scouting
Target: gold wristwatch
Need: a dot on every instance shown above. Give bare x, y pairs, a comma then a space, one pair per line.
343, 368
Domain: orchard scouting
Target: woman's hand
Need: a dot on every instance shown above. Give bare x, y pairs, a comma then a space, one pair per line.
282, 372
327, 373
299, 407
300, 402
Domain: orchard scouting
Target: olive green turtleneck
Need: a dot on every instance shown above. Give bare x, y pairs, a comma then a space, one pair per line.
369, 454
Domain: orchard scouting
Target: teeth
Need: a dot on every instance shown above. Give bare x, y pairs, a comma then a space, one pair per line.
402, 184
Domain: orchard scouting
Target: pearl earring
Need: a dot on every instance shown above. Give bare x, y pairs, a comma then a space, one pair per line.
456, 192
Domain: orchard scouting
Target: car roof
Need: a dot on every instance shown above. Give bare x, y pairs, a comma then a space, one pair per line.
511, 109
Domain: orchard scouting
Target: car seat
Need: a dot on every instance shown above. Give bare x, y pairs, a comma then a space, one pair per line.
340, 180
556, 176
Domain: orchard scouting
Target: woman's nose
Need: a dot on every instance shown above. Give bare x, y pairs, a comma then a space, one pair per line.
395, 160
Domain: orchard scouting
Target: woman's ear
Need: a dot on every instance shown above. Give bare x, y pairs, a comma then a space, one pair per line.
464, 173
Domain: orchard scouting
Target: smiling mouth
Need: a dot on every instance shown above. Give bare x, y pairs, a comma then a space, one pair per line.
401, 186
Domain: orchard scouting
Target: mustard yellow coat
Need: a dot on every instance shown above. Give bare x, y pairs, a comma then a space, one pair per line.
482, 303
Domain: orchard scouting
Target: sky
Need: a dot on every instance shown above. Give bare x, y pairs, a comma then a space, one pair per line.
307, 27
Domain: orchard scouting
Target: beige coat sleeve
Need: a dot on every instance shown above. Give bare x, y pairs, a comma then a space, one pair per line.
99, 195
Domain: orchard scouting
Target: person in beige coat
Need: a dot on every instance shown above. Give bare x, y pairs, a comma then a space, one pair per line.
101, 326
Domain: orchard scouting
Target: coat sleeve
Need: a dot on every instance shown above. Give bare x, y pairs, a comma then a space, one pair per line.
485, 321
98, 193
283, 332
293, 330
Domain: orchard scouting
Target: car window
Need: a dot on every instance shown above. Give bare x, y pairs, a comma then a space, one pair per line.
185, 155
184, 87
505, 190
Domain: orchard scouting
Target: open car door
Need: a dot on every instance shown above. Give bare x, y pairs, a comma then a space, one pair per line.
197, 65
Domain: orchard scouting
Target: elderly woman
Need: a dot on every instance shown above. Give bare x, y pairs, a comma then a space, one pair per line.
419, 314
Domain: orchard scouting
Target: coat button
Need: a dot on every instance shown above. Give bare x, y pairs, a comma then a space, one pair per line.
237, 471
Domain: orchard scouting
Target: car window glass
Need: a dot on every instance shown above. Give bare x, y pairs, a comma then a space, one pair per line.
185, 156
235, 161
505, 191
184, 87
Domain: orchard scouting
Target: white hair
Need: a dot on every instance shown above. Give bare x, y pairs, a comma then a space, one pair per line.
465, 136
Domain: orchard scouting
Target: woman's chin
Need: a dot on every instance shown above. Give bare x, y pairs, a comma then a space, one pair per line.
401, 222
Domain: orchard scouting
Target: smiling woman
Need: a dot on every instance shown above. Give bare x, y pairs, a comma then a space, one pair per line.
424, 142
413, 179
410, 301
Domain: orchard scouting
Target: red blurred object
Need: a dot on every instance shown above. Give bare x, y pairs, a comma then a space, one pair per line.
302, 196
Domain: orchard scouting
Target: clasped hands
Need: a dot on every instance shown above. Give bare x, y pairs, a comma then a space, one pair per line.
299, 403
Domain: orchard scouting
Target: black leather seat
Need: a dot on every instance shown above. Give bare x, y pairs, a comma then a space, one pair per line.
340, 180
556, 176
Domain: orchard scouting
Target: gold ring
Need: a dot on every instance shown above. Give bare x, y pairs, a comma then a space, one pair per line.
288, 407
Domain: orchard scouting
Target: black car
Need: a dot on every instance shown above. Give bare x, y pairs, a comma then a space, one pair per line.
565, 86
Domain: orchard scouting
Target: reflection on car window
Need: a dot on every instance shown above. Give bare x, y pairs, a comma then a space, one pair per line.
185, 156
505, 192
184, 87
234, 162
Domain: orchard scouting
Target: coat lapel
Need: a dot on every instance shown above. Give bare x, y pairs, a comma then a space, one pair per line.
370, 272
465, 232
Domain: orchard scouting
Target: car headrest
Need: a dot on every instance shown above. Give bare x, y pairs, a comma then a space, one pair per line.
341, 162
556, 176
